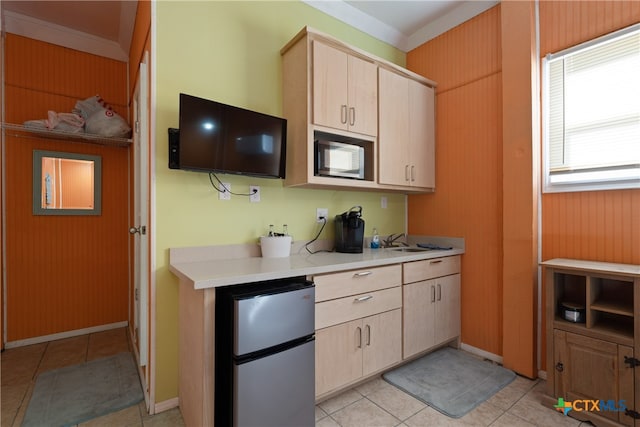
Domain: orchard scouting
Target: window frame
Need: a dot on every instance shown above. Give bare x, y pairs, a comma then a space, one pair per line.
587, 184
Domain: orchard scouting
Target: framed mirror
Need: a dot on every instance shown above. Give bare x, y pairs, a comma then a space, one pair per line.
66, 183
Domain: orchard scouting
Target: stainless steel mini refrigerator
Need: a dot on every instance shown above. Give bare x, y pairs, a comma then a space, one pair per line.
265, 354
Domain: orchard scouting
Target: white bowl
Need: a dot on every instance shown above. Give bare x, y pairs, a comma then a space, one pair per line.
275, 246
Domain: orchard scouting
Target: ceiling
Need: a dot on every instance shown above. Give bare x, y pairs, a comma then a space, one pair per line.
403, 24
105, 27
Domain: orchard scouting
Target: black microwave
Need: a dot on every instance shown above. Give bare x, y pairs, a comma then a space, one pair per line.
339, 159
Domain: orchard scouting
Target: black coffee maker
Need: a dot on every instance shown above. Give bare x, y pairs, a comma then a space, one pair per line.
350, 231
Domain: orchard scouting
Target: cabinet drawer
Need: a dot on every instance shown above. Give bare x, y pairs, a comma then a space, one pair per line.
338, 285
429, 268
342, 310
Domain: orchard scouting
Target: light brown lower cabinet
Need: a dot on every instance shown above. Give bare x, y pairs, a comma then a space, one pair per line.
431, 313
355, 349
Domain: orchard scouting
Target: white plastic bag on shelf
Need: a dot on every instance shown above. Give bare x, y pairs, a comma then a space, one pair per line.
100, 119
67, 122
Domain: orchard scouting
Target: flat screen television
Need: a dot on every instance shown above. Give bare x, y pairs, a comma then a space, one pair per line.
215, 137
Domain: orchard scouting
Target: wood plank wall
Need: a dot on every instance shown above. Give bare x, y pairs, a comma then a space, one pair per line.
63, 272
591, 225
466, 64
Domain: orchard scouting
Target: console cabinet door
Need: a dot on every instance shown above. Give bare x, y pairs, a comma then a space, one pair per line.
592, 369
338, 355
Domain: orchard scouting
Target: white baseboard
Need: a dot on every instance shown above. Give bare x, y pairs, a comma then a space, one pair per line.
165, 405
62, 335
481, 353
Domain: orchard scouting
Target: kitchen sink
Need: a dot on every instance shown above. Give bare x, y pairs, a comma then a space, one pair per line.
407, 249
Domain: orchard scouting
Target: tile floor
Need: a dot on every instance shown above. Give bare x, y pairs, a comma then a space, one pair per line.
20, 367
378, 403
372, 404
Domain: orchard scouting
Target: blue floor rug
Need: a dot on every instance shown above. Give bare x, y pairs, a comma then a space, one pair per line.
450, 381
73, 394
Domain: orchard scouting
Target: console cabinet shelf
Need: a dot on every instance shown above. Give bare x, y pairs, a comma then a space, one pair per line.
593, 337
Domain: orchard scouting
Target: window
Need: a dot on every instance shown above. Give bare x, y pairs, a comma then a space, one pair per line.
591, 104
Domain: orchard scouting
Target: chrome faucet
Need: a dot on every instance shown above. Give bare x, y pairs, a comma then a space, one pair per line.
390, 241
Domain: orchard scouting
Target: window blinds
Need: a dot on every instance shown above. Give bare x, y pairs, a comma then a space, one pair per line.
593, 111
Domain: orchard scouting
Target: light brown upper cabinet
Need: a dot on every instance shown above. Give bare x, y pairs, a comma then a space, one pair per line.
406, 144
331, 92
345, 92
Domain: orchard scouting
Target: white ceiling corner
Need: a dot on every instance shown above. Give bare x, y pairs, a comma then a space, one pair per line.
400, 23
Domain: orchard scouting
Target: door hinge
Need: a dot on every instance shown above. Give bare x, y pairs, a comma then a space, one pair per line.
633, 414
631, 361
137, 294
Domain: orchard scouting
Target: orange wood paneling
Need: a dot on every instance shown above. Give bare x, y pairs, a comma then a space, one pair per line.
592, 225
520, 172
63, 272
140, 41
468, 199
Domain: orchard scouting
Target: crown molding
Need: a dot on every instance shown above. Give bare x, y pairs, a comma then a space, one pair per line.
455, 17
384, 32
361, 21
27, 26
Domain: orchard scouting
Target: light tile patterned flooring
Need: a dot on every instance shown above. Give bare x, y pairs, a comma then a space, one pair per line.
378, 403
20, 367
372, 404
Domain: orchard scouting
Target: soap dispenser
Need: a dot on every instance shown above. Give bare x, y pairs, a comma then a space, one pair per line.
375, 240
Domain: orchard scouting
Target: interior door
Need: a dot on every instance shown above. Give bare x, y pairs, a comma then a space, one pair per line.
141, 215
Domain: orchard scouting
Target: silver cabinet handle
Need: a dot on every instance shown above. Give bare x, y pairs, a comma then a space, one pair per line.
364, 298
343, 114
406, 172
363, 273
359, 329
433, 293
352, 116
413, 175
439, 292
438, 261
368, 330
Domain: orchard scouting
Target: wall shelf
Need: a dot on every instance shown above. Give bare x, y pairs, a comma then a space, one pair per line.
68, 136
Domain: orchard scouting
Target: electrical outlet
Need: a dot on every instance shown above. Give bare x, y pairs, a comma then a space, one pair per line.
383, 202
322, 213
254, 190
225, 194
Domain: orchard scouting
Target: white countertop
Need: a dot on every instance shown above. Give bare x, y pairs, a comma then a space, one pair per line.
203, 274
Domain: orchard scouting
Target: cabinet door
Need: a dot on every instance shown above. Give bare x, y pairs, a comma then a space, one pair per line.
362, 111
329, 87
418, 327
338, 355
382, 341
422, 137
595, 369
447, 315
393, 148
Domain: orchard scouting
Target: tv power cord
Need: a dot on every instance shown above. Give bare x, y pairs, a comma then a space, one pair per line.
224, 189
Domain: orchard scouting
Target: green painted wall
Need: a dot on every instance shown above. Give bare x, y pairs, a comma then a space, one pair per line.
230, 52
